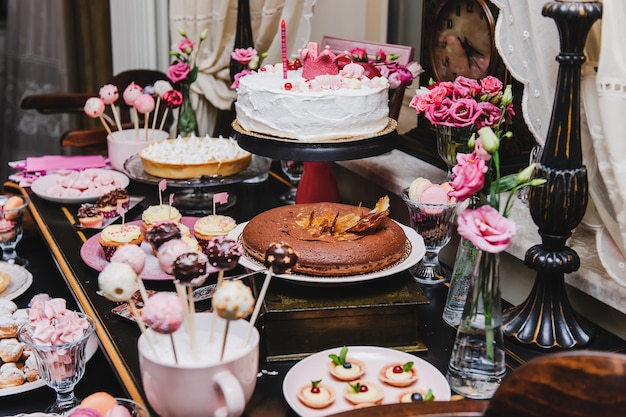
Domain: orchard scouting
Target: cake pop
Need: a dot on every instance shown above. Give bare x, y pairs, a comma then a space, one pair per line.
280, 258
94, 107
223, 253
173, 99
164, 312
117, 281
132, 255
190, 269
109, 95
131, 93
232, 301
160, 88
161, 232
168, 252
144, 105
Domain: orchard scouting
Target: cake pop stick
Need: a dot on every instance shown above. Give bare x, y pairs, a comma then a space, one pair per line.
280, 258
173, 99
223, 253
190, 270
232, 301
130, 95
94, 107
160, 88
144, 105
164, 312
109, 95
118, 282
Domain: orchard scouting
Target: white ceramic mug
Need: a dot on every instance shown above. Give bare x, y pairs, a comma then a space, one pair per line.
206, 386
122, 144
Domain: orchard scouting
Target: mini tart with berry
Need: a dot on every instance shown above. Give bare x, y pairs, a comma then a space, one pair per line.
416, 395
316, 395
363, 392
344, 368
398, 374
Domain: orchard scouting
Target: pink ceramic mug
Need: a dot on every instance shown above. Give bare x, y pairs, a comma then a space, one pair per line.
205, 386
122, 144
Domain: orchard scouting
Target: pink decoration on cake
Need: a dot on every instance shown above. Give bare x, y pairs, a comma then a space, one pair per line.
283, 42
315, 63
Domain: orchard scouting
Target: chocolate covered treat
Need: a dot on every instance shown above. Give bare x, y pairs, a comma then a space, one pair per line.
89, 216
190, 269
281, 258
223, 253
162, 232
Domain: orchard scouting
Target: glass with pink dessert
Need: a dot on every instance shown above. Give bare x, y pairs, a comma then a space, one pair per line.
58, 338
432, 214
12, 209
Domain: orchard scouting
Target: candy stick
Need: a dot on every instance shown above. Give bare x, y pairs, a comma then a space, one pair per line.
141, 324
130, 95
283, 42
144, 105
164, 118
173, 349
156, 112
222, 253
160, 88
280, 258
232, 301
105, 124
136, 121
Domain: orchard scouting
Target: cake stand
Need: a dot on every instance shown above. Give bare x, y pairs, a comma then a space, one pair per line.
194, 196
318, 183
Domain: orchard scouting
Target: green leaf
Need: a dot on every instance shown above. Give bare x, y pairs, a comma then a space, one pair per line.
407, 367
315, 383
356, 387
341, 359
429, 395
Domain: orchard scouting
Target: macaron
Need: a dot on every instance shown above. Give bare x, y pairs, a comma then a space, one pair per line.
417, 187
434, 194
100, 401
10, 204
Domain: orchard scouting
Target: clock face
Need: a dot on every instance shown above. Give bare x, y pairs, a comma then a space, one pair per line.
462, 41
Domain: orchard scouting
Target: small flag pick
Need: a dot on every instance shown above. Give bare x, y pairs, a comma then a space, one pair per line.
221, 198
162, 187
171, 202
120, 211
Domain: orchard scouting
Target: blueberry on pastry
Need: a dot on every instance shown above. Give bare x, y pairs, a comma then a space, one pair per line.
344, 368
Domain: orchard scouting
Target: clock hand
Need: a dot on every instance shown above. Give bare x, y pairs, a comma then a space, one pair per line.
465, 49
472, 50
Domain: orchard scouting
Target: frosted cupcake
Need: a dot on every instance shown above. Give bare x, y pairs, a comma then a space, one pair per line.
212, 226
116, 235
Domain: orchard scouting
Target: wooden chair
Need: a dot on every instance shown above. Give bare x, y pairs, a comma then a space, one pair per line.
73, 103
565, 384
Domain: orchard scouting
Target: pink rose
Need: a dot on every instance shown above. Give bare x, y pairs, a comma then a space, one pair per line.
406, 76
480, 151
395, 80
178, 72
381, 56
491, 85
438, 113
185, 46
472, 86
486, 228
243, 73
419, 103
490, 114
468, 176
359, 54
464, 112
438, 93
244, 55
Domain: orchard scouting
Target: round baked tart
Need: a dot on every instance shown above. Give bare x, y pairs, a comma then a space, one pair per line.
363, 392
194, 157
398, 374
344, 368
415, 395
316, 395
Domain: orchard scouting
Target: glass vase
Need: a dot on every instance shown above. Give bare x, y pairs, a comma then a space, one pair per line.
460, 281
453, 140
187, 123
477, 364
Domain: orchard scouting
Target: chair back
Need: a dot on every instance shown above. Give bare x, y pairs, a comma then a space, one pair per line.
568, 384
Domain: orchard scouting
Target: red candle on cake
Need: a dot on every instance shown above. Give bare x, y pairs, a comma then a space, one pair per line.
283, 40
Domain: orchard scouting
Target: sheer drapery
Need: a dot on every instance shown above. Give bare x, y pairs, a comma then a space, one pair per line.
35, 62
528, 43
211, 92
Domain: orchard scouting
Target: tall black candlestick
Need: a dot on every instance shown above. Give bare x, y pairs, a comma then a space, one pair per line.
546, 318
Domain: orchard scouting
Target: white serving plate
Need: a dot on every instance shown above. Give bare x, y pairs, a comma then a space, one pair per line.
42, 185
315, 367
21, 280
416, 253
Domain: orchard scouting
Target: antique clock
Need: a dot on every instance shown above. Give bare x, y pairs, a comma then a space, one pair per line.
461, 40
458, 40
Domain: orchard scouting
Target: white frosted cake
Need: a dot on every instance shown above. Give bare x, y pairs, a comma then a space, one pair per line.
318, 106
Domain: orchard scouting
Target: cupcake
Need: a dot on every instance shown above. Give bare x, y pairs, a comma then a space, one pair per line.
116, 235
209, 227
107, 205
121, 196
157, 213
89, 216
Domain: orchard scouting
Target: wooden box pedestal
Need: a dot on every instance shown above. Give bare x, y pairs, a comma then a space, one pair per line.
298, 320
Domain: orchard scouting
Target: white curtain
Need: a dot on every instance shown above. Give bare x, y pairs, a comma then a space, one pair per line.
528, 43
211, 92
34, 63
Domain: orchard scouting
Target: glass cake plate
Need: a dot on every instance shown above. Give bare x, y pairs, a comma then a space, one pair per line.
414, 252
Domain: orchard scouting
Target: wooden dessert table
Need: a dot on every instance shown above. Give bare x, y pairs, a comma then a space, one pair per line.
53, 249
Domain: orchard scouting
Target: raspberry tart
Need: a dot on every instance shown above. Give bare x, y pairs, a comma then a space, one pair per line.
398, 374
316, 395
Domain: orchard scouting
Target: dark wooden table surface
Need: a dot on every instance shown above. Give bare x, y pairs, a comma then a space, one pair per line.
53, 250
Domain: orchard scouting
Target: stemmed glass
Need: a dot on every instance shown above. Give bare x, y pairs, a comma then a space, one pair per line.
450, 141
293, 170
11, 230
434, 222
60, 366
